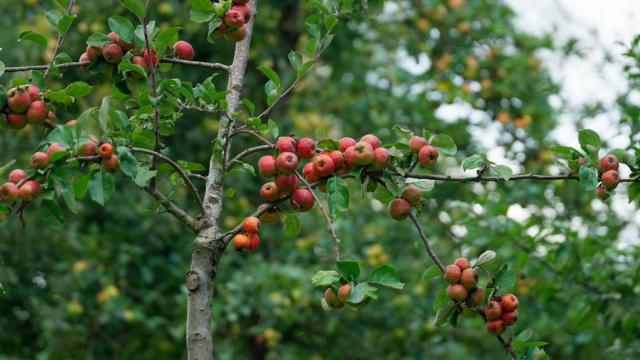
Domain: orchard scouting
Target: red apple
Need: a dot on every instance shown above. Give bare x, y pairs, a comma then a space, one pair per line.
302, 200
363, 153
287, 162
270, 192
306, 148
428, 155
372, 140
323, 165
346, 142
286, 144
267, 166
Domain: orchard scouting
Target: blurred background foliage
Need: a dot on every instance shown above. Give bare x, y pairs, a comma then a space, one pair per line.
109, 283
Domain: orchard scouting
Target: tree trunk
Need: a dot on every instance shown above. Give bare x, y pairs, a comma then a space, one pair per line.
207, 248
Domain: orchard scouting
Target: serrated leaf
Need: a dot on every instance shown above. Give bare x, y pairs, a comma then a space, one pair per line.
273, 128
349, 269
325, 278
386, 275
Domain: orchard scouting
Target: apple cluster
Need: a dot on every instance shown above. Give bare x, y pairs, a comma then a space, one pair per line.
427, 154
233, 27
400, 208
462, 281
25, 105
20, 186
337, 299
501, 311
249, 239
322, 164
609, 178
114, 52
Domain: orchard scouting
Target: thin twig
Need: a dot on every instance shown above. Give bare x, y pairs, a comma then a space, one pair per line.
176, 166
247, 152
173, 209
207, 65
427, 244
252, 133
59, 42
156, 107
497, 178
332, 229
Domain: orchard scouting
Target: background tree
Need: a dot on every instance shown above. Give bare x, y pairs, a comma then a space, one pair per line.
120, 289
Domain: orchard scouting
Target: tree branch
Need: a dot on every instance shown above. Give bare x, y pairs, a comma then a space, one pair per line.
59, 41
176, 166
173, 209
483, 178
336, 240
206, 65
427, 244
154, 89
248, 152
252, 133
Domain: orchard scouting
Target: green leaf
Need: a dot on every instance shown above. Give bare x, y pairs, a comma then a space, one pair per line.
485, 257
328, 144
475, 161
2, 68
503, 171
273, 128
136, 7
368, 290
81, 185
128, 162
386, 275
589, 141
445, 144
6, 167
518, 345
325, 278
144, 175
304, 69
441, 300
431, 272
63, 135
98, 40
588, 178
350, 269
525, 335
633, 192
123, 27
443, 315
423, 184
291, 225
101, 186
357, 295
58, 20
37, 38
165, 38
402, 132
271, 75
338, 196
505, 279
295, 59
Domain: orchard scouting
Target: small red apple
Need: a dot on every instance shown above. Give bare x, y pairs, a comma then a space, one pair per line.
270, 192
428, 155
306, 148
287, 163
267, 166
286, 144
323, 165
302, 200
372, 140
346, 142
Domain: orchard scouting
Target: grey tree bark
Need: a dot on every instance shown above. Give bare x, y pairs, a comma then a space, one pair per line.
208, 246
